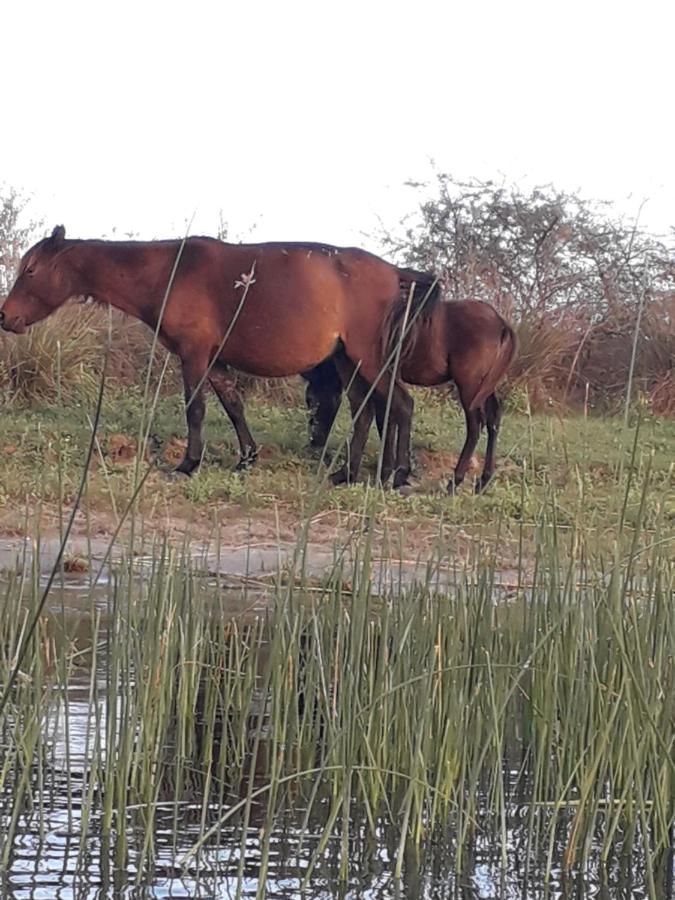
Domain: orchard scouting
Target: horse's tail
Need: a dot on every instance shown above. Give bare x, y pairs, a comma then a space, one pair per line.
426, 294
508, 347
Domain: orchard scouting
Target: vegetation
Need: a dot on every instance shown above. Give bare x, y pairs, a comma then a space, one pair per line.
16, 233
587, 460
323, 730
582, 287
542, 723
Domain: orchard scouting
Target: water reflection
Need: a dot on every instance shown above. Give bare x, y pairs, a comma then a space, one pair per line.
59, 861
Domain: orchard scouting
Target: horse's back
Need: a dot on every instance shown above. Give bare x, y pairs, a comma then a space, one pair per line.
473, 320
343, 275
308, 248
281, 301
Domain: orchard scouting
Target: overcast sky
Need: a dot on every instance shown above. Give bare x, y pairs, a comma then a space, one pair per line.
302, 120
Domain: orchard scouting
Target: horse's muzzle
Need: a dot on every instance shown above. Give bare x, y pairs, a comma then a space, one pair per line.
15, 324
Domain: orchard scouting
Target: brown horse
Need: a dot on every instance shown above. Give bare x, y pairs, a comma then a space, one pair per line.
466, 342
266, 309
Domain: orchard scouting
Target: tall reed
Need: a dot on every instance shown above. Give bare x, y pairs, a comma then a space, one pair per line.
431, 707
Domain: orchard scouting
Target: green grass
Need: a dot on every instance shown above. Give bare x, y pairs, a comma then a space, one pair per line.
571, 460
539, 706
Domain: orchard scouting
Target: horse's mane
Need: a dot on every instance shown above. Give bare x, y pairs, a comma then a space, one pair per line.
415, 312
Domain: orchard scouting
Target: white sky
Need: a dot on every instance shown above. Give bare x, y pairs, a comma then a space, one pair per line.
302, 120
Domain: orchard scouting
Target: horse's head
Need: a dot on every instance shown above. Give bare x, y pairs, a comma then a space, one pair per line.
42, 284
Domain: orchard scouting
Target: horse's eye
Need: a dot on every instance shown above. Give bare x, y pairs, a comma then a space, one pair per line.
30, 270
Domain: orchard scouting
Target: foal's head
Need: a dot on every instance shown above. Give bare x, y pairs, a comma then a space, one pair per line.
42, 285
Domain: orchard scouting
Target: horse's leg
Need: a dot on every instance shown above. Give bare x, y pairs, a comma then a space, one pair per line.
394, 456
405, 407
473, 426
399, 426
362, 417
193, 373
396, 445
323, 396
232, 403
493, 419
396, 441
388, 452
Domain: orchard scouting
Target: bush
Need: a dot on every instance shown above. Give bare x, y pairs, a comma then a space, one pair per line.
59, 357
570, 277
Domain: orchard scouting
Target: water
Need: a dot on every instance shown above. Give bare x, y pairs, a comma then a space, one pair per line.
57, 854
52, 864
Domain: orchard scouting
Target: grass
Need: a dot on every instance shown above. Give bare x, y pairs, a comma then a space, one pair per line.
532, 713
59, 362
575, 459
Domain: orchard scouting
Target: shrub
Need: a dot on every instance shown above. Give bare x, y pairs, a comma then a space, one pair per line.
61, 356
568, 275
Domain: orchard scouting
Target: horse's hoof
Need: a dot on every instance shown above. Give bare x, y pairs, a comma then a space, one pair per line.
401, 477
453, 489
185, 469
481, 484
178, 475
339, 477
246, 462
316, 448
406, 489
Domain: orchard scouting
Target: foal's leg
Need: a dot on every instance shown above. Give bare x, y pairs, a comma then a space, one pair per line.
233, 405
473, 426
377, 404
398, 424
193, 373
387, 439
493, 419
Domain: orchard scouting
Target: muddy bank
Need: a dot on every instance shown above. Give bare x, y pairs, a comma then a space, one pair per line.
254, 551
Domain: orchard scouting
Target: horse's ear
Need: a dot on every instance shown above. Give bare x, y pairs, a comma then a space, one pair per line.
58, 236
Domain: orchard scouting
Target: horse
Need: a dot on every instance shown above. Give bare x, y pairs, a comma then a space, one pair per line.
465, 342
267, 309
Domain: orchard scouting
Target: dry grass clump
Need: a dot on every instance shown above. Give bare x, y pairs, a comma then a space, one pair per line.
60, 358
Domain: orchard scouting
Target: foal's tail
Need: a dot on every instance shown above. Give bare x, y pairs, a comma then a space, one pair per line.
508, 347
426, 293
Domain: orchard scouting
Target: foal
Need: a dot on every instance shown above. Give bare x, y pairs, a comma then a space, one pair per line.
465, 342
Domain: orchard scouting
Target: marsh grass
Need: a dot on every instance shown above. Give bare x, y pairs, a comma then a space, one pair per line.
427, 707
